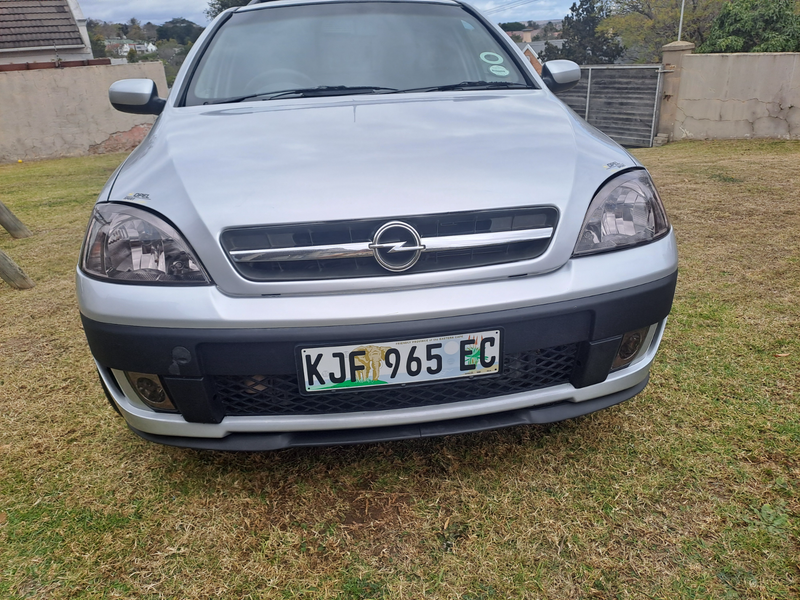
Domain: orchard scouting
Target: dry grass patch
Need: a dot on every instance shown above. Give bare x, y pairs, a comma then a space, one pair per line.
688, 491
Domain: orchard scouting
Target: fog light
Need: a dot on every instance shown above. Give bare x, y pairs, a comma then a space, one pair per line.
150, 391
630, 346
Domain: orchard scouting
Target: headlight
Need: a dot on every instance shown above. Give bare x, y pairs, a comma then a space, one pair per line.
625, 212
132, 245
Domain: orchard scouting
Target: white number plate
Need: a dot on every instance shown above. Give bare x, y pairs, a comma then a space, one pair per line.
368, 366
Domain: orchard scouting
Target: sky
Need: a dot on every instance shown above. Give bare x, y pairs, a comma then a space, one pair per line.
159, 11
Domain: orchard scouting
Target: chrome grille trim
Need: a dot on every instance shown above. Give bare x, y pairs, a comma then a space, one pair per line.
352, 249
303, 253
364, 249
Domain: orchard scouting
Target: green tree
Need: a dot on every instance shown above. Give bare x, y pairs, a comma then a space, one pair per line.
549, 31
109, 30
181, 30
150, 31
103, 28
98, 46
755, 26
172, 55
93, 25
132, 56
644, 26
584, 42
513, 26
217, 6
135, 30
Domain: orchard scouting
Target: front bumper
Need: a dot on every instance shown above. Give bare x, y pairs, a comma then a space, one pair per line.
191, 360
260, 442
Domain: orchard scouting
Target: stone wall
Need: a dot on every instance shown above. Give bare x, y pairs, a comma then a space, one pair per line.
735, 96
50, 113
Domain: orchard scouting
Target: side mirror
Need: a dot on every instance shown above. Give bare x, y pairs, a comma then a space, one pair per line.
560, 75
137, 96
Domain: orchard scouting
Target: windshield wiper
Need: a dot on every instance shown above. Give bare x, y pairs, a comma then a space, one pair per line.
343, 90
322, 90
470, 85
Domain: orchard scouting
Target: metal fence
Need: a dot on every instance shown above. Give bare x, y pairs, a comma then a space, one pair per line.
622, 101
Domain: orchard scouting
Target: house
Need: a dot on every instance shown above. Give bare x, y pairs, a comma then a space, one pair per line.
531, 55
114, 48
126, 47
532, 51
526, 35
538, 47
42, 31
122, 47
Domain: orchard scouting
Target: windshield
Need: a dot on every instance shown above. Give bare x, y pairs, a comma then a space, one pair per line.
363, 47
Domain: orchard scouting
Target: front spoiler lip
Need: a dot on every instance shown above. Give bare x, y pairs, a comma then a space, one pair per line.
260, 442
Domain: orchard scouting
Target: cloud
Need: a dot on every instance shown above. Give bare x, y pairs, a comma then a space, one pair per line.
532, 11
159, 11
156, 11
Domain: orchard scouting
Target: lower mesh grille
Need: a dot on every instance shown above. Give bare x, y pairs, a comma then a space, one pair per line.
279, 394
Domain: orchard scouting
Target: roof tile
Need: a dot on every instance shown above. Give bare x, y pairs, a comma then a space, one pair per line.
37, 23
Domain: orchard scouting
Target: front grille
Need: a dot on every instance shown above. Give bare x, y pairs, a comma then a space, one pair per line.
309, 235
276, 395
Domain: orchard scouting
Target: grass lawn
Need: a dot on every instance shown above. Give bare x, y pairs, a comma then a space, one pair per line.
690, 490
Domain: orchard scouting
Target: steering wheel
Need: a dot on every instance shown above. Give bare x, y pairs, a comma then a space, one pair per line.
278, 80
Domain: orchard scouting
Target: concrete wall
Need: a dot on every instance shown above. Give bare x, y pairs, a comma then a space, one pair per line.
735, 96
65, 112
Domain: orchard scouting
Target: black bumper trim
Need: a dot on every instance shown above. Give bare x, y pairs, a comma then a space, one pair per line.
197, 352
260, 442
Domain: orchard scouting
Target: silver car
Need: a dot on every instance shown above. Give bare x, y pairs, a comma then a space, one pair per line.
360, 221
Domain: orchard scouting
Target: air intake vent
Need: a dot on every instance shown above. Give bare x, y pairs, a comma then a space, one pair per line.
279, 394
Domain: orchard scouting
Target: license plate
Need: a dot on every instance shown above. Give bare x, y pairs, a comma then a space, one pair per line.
367, 366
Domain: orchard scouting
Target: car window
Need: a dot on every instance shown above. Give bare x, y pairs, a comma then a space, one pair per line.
393, 46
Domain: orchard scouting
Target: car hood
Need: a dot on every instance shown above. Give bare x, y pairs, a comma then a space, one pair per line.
385, 156
210, 168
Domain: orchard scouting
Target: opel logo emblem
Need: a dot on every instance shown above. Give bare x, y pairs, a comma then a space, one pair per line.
397, 246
